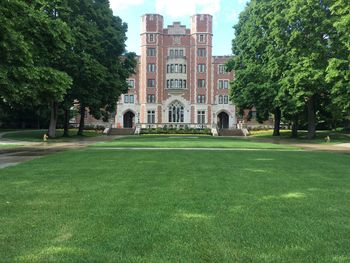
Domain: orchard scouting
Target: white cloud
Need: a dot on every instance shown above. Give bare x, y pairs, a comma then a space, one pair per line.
180, 8
118, 5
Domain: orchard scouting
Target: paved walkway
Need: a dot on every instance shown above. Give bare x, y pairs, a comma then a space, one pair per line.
31, 150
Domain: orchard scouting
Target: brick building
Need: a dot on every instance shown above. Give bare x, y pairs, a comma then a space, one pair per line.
178, 81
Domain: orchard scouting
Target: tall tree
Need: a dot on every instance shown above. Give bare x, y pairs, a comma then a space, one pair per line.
30, 40
338, 71
257, 62
308, 48
97, 61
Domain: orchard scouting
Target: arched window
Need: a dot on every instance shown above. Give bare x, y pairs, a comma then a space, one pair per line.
176, 112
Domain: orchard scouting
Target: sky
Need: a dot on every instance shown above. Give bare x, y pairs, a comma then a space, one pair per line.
225, 15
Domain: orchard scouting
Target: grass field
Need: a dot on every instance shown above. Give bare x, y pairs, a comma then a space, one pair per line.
340, 136
97, 205
189, 142
37, 135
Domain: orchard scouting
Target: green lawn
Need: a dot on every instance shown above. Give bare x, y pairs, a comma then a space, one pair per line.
336, 137
99, 205
37, 135
189, 142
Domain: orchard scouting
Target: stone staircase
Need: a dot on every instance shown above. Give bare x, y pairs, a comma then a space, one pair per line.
229, 132
121, 131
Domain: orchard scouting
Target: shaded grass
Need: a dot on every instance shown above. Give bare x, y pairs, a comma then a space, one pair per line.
37, 135
189, 142
177, 206
335, 136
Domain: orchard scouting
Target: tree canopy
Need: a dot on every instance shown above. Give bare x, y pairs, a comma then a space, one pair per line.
63, 52
283, 51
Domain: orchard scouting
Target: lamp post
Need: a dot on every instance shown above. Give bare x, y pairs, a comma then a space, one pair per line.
138, 118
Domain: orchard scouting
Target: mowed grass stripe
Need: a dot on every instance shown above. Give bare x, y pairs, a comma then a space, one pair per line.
190, 142
176, 206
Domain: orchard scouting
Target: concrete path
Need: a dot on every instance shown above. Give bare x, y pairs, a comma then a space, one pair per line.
31, 150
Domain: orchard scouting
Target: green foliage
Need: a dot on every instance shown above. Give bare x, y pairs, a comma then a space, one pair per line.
96, 61
282, 52
30, 41
338, 71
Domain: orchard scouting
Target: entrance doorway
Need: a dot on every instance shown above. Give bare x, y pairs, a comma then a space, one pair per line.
223, 120
129, 119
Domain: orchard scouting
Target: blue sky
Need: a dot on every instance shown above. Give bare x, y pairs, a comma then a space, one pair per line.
225, 14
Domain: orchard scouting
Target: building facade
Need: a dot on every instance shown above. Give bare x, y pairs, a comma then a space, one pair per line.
178, 82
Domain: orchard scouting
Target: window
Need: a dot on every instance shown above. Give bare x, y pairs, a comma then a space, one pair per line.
201, 99
151, 52
220, 99
126, 98
151, 83
223, 84
151, 98
201, 38
201, 68
184, 68
201, 52
225, 99
181, 53
131, 83
176, 68
151, 116
150, 37
201, 83
171, 53
176, 84
151, 67
176, 53
222, 69
131, 98
201, 117
176, 112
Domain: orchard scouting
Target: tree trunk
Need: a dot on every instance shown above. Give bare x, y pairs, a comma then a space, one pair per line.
66, 123
295, 126
82, 120
311, 118
277, 122
53, 119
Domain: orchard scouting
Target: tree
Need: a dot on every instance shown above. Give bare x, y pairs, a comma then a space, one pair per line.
281, 51
257, 62
96, 61
30, 41
338, 71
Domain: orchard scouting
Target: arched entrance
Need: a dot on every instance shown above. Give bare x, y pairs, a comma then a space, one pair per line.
223, 120
129, 119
